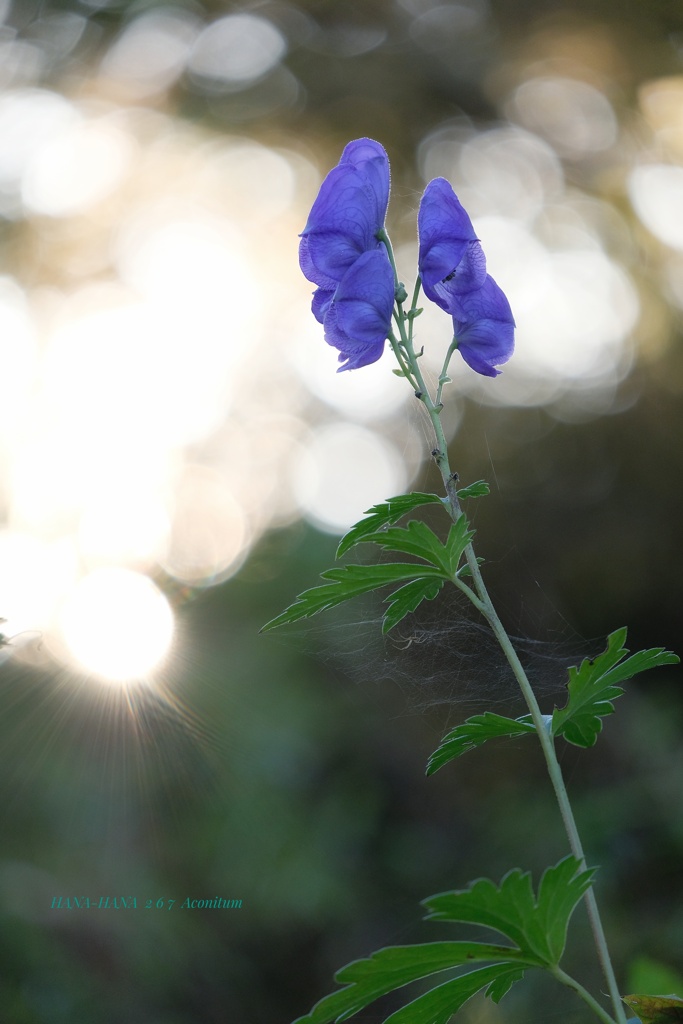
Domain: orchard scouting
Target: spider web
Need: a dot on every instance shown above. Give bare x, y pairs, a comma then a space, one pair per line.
442, 655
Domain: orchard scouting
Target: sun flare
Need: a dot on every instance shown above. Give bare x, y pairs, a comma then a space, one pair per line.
117, 625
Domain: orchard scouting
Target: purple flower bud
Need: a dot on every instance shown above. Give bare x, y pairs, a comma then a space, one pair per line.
484, 328
451, 260
347, 214
358, 317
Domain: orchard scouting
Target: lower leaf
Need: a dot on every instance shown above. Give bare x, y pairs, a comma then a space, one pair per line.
407, 598
472, 733
438, 1006
389, 969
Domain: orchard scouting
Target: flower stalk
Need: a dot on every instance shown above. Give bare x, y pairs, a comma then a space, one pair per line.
403, 347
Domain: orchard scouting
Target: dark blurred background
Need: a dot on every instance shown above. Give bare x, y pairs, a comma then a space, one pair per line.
178, 459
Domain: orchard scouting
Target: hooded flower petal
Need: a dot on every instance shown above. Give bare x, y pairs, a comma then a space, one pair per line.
451, 260
347, 214
485, 328
358, 319
371, 160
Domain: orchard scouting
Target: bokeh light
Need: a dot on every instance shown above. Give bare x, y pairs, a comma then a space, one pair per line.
340, 473
151, 52
236, 50
656, 191
172, 397
117, 625
573, 116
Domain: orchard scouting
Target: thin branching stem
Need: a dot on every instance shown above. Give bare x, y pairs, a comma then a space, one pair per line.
566, 979
404, 346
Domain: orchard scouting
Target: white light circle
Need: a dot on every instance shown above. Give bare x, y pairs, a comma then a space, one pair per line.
77, 168
29, 119
656, 191
151, 53
575, 117
342, 472
371, 393
117, 624
237, 49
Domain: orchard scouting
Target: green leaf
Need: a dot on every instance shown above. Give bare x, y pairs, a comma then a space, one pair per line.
472, 733
593, 686
407, 598
465, 570
349, 581
414, 539
438, 1005
392, 968
384, 514
560, 889
458, 538
497, 989
657, 1009
419, 540
537, 926
476, 490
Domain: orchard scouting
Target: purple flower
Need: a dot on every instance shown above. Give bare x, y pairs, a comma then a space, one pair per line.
358, 318
341, 253
452, 267
346, 216
484, 328
451, 260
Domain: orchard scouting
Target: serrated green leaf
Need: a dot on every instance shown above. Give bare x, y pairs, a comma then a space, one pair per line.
392, 968
386, 513
472, 733
349, 581
407, 598
641, 662
439, 1005
465, 570
459, 536
657, 1009
478, 489
416, 538
538, 927
592, 688
560, 889
502, 985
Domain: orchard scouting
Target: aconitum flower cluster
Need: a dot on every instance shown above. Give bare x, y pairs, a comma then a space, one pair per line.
452, 268
343, 252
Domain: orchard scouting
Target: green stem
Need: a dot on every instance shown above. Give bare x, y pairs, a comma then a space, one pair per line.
443, 376
402, 362
383, 237
485, 606
584, 994
544, 736
416, 292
